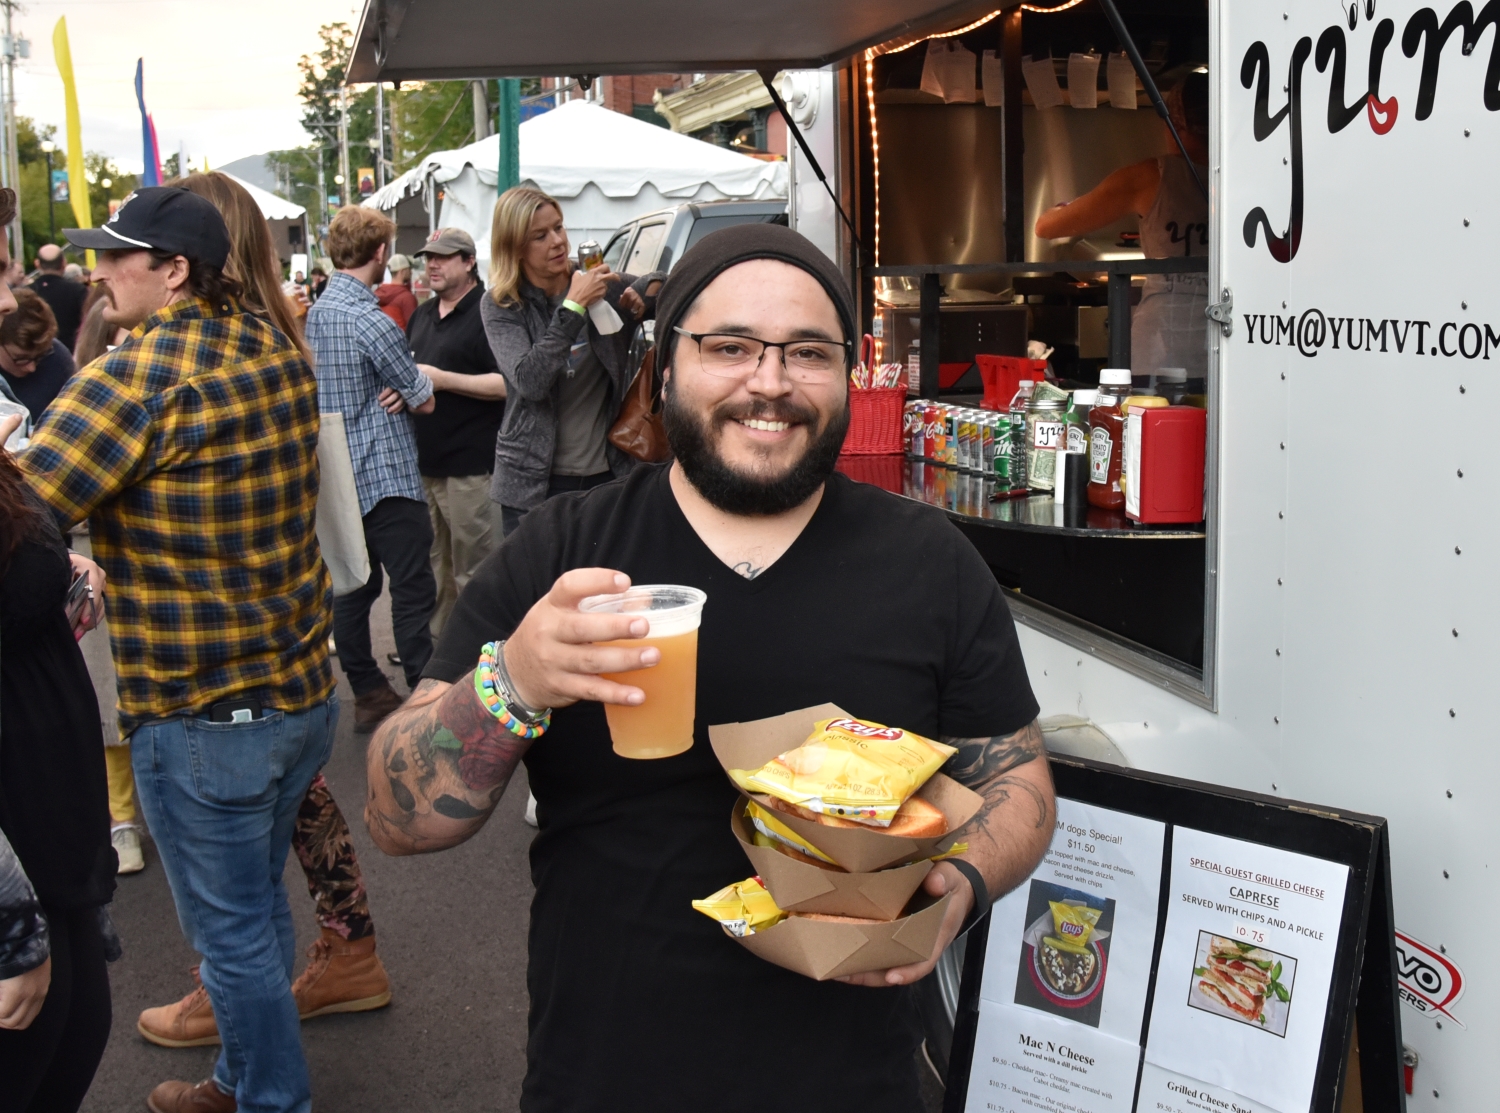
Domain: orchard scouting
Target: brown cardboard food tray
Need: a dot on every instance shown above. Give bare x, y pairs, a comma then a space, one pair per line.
750, 745
822, 950
799, 887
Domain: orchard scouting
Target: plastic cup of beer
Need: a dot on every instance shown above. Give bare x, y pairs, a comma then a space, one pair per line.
662, 726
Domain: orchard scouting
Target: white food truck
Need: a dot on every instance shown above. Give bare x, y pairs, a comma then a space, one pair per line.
1325, 633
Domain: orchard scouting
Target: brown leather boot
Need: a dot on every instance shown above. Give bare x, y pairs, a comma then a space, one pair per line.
184, 1097
341, 977
371, 708
186, 1023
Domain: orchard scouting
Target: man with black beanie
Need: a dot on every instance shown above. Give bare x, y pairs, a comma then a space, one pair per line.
819, 590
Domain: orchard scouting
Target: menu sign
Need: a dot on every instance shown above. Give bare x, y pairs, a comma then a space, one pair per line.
1146, 966
1067, 970
1245, 970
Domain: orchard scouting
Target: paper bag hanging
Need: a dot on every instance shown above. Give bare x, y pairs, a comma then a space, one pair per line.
932, 67
1121, 77
339, 527
1041, 82
1083, 80
992, 70
948, 71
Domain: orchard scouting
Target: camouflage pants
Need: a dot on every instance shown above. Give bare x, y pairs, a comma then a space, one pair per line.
326, 851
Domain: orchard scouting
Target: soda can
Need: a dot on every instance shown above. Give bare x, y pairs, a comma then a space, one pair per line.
912, 428
950, 436
986, 464
964, 421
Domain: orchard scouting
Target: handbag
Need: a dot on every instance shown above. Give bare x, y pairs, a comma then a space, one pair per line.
638, 430
340, 529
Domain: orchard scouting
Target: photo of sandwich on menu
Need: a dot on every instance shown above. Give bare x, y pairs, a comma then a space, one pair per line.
1065, 952
1243, 982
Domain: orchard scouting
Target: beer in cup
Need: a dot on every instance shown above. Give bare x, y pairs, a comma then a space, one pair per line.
662, 726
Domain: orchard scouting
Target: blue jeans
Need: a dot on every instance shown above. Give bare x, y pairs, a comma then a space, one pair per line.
221, 800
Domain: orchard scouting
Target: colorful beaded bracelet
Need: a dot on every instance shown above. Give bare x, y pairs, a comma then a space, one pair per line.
488, 687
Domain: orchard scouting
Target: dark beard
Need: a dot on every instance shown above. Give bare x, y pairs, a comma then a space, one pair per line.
744, 495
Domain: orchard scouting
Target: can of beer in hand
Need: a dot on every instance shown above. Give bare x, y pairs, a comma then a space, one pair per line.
590, 255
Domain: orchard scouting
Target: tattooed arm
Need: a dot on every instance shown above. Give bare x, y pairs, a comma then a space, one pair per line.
437, 768
1007, 836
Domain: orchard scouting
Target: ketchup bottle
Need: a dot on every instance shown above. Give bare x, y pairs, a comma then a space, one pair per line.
1106, 439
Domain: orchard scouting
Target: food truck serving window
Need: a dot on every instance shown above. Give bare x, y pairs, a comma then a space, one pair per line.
1030, 223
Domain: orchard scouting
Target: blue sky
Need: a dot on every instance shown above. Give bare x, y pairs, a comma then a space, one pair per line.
221, 76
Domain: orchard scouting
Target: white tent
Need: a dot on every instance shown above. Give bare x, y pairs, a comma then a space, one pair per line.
288, 221
604, 167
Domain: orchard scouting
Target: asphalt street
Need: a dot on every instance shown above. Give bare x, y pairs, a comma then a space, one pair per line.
451, 930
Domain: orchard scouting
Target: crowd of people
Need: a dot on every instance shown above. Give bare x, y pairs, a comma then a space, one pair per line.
174, 407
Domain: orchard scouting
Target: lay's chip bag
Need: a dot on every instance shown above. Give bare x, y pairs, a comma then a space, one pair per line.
1074, 923
851, 769
743, 908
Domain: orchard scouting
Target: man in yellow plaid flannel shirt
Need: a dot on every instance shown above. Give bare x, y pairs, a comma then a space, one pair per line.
192, 451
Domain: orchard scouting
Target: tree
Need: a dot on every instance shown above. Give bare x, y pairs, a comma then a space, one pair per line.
35, 187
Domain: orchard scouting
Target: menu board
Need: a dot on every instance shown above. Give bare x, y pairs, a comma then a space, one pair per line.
1152, 965
1067, 970
1245, 970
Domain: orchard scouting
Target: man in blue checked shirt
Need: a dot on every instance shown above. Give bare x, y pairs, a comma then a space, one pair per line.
366, 372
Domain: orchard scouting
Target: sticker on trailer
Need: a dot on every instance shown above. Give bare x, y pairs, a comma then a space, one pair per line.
1429, 981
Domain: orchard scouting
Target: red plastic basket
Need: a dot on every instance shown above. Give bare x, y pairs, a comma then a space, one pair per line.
887, 472
874, 422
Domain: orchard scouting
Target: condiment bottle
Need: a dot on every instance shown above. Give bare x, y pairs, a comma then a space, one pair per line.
1018, 406
1107, 439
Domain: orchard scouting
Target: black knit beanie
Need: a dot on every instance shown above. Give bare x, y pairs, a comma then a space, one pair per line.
739, 243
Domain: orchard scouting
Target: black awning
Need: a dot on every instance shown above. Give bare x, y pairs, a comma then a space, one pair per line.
406, 40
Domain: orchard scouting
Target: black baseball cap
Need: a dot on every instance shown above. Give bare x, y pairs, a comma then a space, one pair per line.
163, 218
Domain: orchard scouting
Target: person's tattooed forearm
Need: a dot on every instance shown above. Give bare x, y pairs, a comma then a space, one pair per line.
980, 760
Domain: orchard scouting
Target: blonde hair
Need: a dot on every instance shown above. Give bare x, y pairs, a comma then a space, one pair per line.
509, 230
252, 258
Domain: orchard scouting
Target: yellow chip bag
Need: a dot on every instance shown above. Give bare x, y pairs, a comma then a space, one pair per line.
1074, 924
742, 908
851, 769
772, 830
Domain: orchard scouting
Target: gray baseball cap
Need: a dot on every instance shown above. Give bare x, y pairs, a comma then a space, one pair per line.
449, 241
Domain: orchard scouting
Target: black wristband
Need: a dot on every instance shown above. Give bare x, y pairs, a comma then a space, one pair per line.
981, 892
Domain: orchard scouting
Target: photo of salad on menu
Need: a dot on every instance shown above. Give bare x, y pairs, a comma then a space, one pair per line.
1065, 952
1238, 980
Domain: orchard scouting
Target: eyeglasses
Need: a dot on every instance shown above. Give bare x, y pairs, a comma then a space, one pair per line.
20, 360
731, 356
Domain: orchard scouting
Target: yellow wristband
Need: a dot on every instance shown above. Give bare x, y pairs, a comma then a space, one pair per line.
569, 303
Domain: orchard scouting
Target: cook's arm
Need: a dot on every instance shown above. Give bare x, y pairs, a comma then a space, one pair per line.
1130, 190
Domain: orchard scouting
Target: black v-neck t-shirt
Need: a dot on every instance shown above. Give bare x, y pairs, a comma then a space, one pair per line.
638, 1001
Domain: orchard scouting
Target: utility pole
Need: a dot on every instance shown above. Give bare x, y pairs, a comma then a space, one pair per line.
481, 111
13, 47
344, 194
47, 148
379, 135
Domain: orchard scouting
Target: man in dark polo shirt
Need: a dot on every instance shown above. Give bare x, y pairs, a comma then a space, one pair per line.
456, 442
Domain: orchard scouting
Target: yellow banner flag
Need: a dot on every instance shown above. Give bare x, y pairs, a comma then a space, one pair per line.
78, 185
